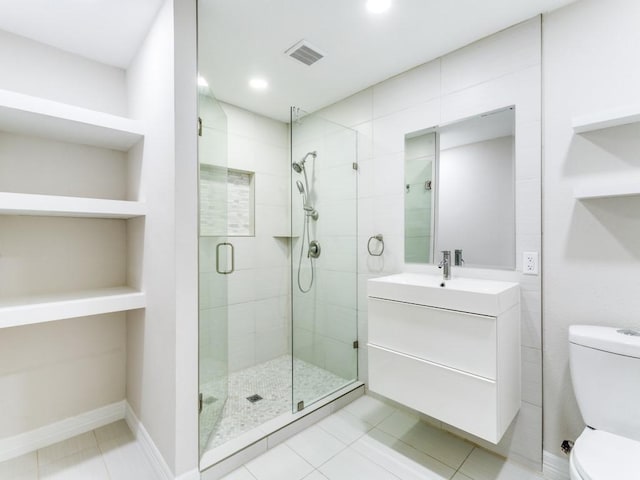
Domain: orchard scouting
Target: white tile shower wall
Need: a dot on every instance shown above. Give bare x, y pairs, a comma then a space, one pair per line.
259, 288
592, 254
501, 70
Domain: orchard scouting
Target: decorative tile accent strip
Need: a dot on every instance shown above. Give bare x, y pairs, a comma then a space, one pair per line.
225, 194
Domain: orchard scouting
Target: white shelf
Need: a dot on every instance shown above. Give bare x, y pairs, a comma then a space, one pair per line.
45, 118
606, 189
39, 309
53, 205
606, 119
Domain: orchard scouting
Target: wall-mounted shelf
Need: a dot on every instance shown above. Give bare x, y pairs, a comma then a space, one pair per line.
39, 309
606, 119
39, 117
54, 205
606, 189
286, 235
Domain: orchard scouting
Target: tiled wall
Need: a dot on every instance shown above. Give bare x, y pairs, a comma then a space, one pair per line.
258, 290
495, 72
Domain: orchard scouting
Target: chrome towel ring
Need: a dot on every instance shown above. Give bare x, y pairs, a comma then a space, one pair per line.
380, 239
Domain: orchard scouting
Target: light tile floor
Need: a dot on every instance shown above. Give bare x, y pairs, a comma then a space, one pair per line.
107, 453
366, 440
370, 440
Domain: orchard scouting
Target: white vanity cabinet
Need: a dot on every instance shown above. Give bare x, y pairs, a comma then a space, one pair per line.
450, 352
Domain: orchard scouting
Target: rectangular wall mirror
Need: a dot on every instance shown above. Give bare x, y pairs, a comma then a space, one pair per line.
460, 191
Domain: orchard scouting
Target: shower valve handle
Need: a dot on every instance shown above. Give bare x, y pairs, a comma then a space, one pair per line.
314, 249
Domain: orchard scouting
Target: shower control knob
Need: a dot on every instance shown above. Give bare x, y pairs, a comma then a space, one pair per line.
314, 249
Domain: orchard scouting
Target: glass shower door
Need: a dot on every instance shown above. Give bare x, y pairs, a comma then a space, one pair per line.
215, 263
323, 257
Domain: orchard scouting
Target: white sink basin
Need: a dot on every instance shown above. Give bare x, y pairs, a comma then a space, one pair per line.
473, 295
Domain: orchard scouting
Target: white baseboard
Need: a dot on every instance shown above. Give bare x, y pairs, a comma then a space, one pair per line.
554, 467
144, 439
32, 440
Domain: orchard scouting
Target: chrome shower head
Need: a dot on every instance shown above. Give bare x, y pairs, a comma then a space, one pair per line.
299, 166
300, 187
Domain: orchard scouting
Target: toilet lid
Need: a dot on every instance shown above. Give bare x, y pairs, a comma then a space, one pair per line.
601, 455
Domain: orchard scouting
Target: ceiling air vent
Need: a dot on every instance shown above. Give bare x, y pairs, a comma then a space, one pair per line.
304, 52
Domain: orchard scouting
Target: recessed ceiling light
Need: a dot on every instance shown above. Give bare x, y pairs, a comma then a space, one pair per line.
258, 83
378, 6
202, 82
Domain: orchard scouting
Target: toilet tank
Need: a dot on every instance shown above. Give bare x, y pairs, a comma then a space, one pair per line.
605, 372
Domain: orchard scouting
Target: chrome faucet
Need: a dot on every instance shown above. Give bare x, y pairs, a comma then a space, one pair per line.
458, 260
445, 265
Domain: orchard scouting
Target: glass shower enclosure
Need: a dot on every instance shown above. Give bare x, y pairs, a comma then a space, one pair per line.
215, 263
320, 282
324, 257
277, 301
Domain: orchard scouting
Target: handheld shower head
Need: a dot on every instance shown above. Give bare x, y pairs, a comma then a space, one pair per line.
302, 192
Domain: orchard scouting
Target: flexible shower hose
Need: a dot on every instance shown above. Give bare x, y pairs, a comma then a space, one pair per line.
306, 236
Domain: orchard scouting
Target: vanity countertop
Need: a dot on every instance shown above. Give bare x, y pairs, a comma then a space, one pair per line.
473, 295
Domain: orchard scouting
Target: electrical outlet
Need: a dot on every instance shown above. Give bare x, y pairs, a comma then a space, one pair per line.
530, 263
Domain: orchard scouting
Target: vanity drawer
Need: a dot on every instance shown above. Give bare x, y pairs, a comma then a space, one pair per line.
470, 402
459, 340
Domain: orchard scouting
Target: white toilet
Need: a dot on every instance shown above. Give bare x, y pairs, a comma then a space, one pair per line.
605, 371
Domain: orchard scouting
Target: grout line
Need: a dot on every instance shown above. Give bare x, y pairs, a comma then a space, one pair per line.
299, 456
374, 463
332, 456
465, 459
106, 467
243, 466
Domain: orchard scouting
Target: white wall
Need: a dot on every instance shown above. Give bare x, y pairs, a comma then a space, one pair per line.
592, 253
476, 203
43, 71
258, 295
151, 333
186, 185
495, 72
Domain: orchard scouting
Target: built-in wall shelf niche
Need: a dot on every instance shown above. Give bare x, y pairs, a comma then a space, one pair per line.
606, 188
40, 117
605, 119
55, 205
28, 310
25, 115
227, 199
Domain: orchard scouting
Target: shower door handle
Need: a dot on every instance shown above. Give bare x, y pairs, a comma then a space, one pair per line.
233, 257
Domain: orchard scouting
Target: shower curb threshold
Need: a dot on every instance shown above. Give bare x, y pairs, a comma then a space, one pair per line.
222, 460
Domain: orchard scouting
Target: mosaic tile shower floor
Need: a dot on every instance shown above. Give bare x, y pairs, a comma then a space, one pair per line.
271, 380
